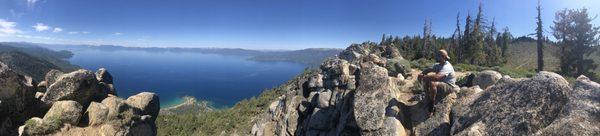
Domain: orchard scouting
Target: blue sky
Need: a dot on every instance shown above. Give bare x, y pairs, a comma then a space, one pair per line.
255, 24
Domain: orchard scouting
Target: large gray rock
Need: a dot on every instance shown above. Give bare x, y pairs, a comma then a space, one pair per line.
16, 100
324, 99
102, 75
371, 98
65, 111
106, 80
486, 78
97, 113
80, 86
148, 103
115, 106
315, 81
321, 119
355, 52
52, 76
581, 115
439, 123
518, 108
391, 52
397, 66
62, 112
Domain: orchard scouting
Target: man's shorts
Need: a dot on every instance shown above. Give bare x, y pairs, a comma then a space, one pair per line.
444, 88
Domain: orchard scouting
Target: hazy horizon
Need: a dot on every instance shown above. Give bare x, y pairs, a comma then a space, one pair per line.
264, 24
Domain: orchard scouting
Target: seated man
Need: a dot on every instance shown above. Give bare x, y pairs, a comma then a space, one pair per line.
442, 77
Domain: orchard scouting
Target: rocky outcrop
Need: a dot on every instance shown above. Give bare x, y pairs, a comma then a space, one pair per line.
113, 116
106, 80
581, 114
350, 95
147, 103
75, 103
80, 86
439, 123
52, 76
371, 98
518, 108
362, 92
16, 100
485, 79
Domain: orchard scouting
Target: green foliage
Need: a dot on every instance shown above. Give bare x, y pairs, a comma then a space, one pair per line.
238, 117
478, 45
422, 63
47, 126
577, 37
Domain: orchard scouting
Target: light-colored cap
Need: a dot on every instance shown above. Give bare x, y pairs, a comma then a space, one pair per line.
444, 53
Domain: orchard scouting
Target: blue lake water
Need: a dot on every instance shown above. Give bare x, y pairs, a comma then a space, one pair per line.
223, 80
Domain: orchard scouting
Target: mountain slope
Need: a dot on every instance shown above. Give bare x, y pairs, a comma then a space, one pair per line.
33, 60
26, 64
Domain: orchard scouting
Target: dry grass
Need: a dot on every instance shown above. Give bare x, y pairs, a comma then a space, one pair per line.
523, 55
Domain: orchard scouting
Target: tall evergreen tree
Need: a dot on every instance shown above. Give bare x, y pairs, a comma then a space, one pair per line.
456, 38
506, 39
477, 54
540, 39
427, 40
577, 37
491, 48
465, 46
383, 38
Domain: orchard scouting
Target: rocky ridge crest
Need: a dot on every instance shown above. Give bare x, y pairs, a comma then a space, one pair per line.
369, 89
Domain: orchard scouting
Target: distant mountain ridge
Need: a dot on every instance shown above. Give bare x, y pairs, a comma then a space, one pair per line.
309, 56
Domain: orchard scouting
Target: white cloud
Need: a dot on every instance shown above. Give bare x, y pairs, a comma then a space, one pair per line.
117, 34
41, 27
57, 29
73, 32
8, 27
85, 32
31, 3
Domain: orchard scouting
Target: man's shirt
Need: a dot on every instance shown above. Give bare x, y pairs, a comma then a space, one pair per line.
447, 70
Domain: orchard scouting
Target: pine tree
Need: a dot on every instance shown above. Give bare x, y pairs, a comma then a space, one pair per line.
456, 38
576, 37
491, 48
465, 47
477, 53
540, 40
506, 39
382, 40
427, 40
389, 40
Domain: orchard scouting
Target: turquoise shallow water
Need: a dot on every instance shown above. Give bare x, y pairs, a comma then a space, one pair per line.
223, 80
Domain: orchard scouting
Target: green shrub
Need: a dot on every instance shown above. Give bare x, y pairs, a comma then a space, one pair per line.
422, 63
47, 126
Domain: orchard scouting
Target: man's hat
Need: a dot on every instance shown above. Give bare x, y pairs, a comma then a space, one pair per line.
444, 53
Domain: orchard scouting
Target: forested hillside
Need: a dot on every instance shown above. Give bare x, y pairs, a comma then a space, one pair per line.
34, 61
